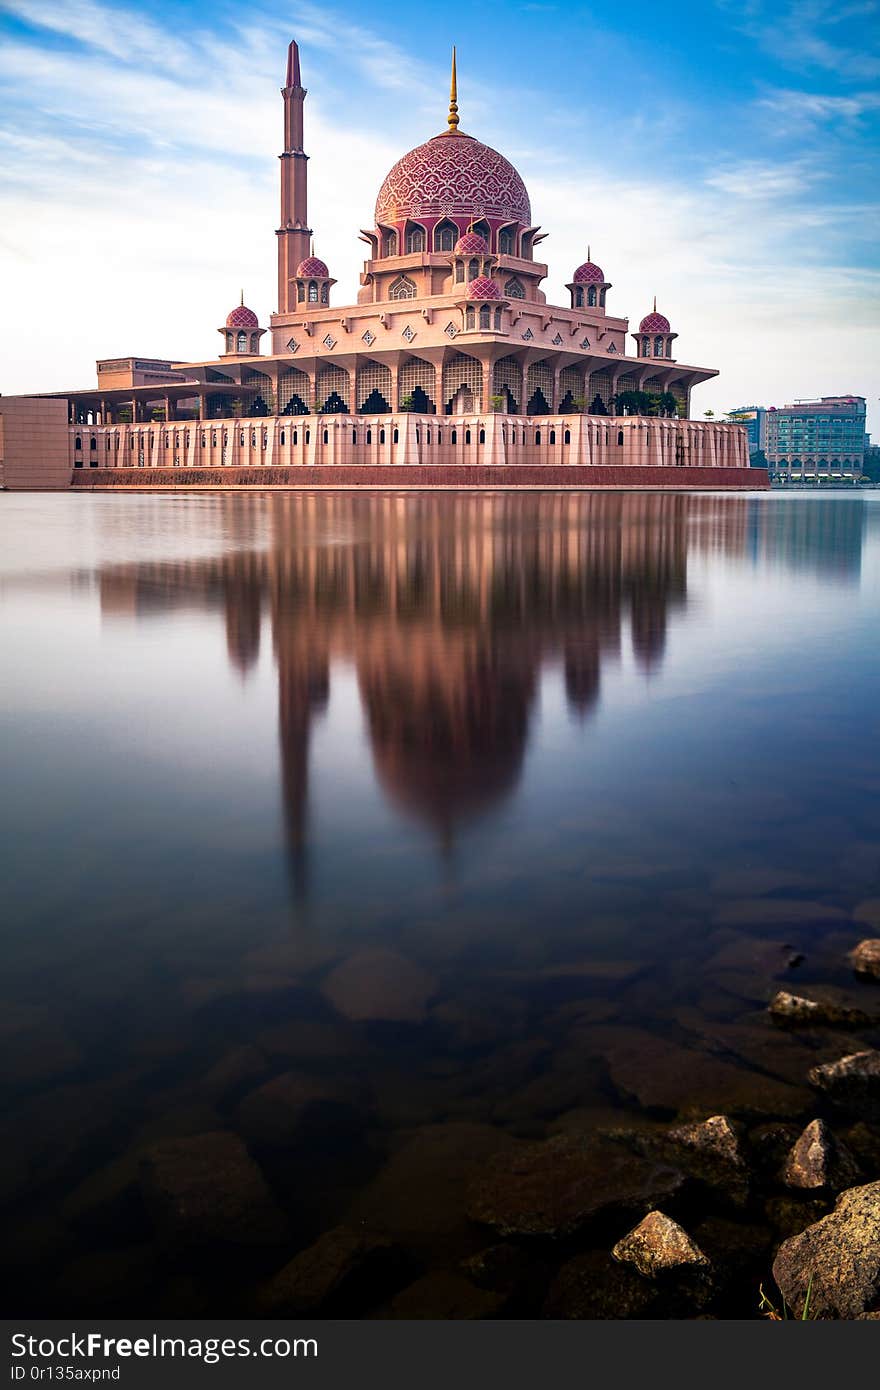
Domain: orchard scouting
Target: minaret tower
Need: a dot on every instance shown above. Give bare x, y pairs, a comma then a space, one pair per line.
294, 234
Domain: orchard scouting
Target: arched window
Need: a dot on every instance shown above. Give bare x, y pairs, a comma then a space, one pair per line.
241, 343
591, 296
77, 443
579, 297
325, 293
301, 291
467, 436
282, 438
402, 288
507, 241
389, 244
552, 436
230, 341
240, 438
354, 436
415, 240
455, 436
620, 436
445, 236
566, 438
602, 299
295, 439
646, 346
470, 318
326, 439
537, 436
658, 347
308, 436
482, 436
427, 436
514, 289
369, 436
498, 319
473, 269
485, 316
395, 438
313, 291
381, 436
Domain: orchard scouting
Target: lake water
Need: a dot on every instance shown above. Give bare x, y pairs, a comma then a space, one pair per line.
367, 831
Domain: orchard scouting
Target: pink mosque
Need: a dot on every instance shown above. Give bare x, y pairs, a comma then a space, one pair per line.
451, 369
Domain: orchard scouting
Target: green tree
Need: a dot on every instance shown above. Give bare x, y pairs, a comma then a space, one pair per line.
407, 402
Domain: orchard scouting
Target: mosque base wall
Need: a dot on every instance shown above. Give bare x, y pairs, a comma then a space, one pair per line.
425, 476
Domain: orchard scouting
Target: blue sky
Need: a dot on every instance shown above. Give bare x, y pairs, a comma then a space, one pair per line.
721, 155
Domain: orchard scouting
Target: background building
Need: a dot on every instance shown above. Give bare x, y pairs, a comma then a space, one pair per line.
754, 419
816, 441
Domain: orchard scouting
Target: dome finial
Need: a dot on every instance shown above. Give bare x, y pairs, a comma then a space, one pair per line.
241, 301
589, 252
452, 118
655, 303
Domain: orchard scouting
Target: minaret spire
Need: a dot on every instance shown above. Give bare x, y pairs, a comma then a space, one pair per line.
294, 231
655, 303
452, 118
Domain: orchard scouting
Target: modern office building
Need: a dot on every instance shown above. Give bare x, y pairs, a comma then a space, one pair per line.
818, 441
754, 419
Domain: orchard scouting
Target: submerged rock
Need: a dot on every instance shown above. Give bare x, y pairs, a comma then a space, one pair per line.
345, 1272
379, 984
853, 1082
208, 1188
865, 959
659, 1246
818, 1160
419, 1194
596, 1286
292, 1108
556, 1188
837, 1259
796, 1011
448, 1296
664, 1075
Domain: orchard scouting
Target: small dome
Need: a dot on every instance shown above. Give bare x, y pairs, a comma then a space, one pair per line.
241, 317
471, 244
483, 288
655, 323
589, 274
312, 266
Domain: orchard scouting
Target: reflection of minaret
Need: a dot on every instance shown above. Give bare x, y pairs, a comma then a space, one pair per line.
243, 605
303, 688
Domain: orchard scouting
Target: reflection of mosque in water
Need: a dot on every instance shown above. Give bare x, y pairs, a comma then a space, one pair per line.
447, 607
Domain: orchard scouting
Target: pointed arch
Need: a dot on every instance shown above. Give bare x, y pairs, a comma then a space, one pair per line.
402, 288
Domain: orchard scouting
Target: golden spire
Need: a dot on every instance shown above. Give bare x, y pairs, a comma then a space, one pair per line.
452, 118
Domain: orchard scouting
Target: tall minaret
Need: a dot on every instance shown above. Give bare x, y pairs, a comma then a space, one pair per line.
294, 234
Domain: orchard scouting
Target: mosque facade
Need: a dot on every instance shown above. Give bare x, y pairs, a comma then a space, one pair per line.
451, 369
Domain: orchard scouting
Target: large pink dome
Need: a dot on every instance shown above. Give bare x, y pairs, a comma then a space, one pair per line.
241, 317
655, 323
483, 288
453, 175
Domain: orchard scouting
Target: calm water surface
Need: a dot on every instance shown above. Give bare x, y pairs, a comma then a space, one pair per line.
449, 815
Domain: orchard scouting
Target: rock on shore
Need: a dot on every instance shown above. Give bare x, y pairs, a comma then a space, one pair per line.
837, 1259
